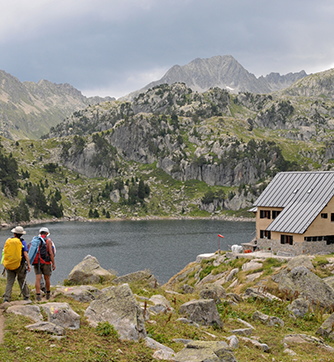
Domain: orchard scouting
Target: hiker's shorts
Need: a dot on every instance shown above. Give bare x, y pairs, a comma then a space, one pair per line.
44, 269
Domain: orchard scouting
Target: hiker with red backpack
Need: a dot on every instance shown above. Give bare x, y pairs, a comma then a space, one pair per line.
42, 254
16, 262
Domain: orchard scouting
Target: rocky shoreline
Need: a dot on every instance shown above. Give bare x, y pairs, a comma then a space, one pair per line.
5, 225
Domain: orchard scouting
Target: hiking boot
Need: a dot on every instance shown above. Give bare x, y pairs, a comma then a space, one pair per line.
43, 289
48, 295
25, 298
5, 301
38, 297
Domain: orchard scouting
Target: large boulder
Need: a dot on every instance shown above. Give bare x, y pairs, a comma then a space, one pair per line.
89, 271
300, 260
46, 327
212, 291
202, 351
81, 293
202, 311
302, 281
141, 275
61, 314
118, 306
31, 311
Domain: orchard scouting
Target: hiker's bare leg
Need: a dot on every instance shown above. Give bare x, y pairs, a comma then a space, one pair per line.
47, 282
38, 283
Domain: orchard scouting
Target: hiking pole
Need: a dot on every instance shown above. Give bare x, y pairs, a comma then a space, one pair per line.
24, 283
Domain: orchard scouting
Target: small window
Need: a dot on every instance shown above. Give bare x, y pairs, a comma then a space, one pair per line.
264, 214
265, 234
324, 215
287, 239
332, 216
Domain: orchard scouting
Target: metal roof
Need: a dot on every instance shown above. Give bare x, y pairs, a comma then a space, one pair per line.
302, 195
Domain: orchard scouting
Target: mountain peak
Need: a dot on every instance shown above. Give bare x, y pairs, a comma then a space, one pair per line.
222, 71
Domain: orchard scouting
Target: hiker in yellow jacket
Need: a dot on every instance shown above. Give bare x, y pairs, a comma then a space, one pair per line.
16, 261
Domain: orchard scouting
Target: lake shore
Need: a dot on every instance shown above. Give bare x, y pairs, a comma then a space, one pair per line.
134, 218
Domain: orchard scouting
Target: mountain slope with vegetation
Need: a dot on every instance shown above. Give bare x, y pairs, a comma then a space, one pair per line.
28, 109
172, 152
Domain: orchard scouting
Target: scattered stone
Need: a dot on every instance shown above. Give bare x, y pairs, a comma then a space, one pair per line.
327, 328
258, 293
299, 307
31, 311
187, 289
202, 311
248, 325
161, 304
251, 265
141, 275
233, 297
118, 306
161, 352
290, 352
264, 347
251, 277
89, 271
187, 321
269, 320
201, 351
61, 314
47, 327
82, 293
231, 275
242, 331
233, 341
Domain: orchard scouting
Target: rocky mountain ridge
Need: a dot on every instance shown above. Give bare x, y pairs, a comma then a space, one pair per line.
223, 72
28, 109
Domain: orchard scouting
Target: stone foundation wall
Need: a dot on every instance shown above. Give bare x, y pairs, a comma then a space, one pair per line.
298, 248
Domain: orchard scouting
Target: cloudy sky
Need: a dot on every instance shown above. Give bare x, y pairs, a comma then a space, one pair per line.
109, 47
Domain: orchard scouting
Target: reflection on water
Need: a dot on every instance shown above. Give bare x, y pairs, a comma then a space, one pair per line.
163, 246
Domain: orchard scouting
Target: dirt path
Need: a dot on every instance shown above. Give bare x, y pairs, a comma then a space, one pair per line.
2, 323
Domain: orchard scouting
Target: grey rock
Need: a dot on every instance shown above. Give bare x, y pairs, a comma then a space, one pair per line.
212, 291
302, 281
231, 275
161, 352
201, 351
82, 293
187, 289
30, 311
118, 306
269, 320
202, 311
262, 346
327, 328
61, 314
300, 260
242, 331
299, 307
188, 321
89, 271
233, 341
141, 275
47, 327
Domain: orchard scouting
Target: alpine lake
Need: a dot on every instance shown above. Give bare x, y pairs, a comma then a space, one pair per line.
164, 247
